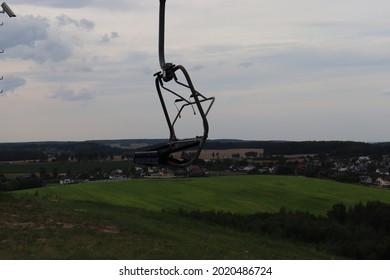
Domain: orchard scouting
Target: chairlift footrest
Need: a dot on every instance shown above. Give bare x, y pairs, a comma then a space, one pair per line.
147, 157
164, 155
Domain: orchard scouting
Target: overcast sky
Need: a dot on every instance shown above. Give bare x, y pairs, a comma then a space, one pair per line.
280, 70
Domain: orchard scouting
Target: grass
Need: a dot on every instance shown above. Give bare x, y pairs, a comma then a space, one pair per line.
136, 219
61, 167
245, 194
36, 227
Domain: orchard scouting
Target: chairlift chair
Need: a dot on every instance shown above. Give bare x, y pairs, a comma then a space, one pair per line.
171, 153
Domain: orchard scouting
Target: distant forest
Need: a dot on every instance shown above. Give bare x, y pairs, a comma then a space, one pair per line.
332, 148
59, 150
101, 149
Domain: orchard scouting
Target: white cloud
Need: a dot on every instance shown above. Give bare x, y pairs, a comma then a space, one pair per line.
34, 38
108, 37
76, 4
68, 94
85, 24
24, 31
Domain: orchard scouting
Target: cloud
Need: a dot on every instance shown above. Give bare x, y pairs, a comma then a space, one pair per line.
40, 40
108, 37
10, 83
31, 38
246, 65
52, 49
67, 94
139, 57
263, 63
386, 92
84, 24
56, 3
197, 67
25, 30
76, 4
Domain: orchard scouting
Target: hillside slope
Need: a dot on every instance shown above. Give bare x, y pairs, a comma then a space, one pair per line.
245, 194
138, 219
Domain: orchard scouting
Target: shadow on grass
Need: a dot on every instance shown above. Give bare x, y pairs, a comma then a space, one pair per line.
48, 227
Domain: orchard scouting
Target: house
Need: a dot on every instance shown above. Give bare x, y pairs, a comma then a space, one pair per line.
66, 181
383, 182
382, 171
267, 170
117, 174
196, 171
248, 168
367, 180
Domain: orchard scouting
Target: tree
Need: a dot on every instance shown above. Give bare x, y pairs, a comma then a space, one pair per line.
338, 213
55, 173
251, 154
236, 155
42, 173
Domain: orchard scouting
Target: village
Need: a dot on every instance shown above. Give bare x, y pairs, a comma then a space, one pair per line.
59, 168
374, 172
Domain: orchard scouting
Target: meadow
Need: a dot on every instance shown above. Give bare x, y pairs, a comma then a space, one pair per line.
245, 194
137, 219
20, 168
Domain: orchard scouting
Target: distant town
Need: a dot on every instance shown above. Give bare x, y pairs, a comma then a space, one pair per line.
29, 165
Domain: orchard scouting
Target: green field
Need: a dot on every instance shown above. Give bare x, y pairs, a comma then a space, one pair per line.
245, 194
17, 169
137, 219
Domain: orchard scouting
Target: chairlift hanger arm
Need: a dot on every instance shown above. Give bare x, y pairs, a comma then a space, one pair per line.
161, 38
165, 154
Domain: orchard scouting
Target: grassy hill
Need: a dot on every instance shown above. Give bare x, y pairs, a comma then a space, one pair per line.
245, 194
137, 219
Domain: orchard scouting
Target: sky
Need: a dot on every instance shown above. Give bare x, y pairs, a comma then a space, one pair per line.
279, 70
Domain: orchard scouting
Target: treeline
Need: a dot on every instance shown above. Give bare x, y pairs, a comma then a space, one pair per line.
333, 148
15, 154
91, 150
41, 151
20, 183
361, 231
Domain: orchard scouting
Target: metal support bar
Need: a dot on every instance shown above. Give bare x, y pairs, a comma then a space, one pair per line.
164, 155
161, 35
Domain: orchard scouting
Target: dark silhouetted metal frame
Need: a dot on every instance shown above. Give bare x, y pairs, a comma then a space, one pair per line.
165, 154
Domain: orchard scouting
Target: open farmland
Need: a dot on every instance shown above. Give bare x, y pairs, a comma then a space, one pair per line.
138, 219
228, 153
245, 194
